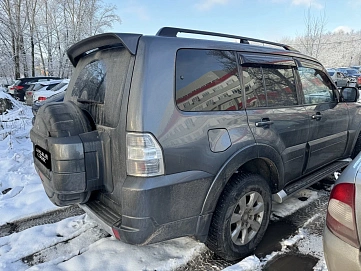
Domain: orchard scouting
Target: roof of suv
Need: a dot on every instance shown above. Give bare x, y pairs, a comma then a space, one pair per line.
130, 42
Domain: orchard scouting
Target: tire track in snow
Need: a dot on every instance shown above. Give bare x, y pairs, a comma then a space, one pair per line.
66, 249
51, 242
42, 219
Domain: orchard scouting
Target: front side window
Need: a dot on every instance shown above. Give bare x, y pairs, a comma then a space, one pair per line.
316, 86
207, 80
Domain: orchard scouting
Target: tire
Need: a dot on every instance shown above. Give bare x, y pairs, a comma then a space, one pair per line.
357, 147
234, 215
60, 120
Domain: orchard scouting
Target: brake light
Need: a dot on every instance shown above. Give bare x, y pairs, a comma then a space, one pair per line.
18, 87
359, 80
144, 155
30, 93
41, 98
341, 213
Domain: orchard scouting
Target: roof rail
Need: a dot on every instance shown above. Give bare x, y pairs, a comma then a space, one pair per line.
173, 31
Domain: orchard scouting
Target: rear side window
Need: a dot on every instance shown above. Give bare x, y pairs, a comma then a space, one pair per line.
207, 80
269, 85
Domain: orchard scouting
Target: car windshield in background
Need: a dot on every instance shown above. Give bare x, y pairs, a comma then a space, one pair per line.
351, 71
331, 73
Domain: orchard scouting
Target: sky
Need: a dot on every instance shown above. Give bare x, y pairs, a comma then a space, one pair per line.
262, 19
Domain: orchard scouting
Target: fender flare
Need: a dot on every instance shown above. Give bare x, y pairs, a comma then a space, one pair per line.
232, 164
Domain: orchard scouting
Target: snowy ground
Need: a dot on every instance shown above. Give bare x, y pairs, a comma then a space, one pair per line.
76, 242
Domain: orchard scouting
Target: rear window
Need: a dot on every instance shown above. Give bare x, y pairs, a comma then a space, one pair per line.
97, 84
59, 86
90, 84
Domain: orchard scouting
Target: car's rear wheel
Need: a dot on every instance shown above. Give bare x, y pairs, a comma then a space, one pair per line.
241, 217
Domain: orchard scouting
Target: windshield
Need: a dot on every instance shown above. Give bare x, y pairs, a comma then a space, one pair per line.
351, 71
331, 73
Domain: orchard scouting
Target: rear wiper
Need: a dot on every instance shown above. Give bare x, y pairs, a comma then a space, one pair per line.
86, 101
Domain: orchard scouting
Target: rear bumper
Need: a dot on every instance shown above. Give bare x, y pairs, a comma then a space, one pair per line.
338, 254
157, 209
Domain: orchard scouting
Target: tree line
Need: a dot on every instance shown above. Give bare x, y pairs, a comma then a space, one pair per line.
35, 34
332, 49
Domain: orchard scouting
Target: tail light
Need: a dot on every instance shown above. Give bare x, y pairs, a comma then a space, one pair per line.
144, 155
29, 93
359, 80
18, 87
41, 99
341, 214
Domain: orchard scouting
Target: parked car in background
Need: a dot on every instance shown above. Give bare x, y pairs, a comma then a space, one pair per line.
342, 232
352, 74
42, 95
39, 86
338, 77
20, 85
53, 99
357, 68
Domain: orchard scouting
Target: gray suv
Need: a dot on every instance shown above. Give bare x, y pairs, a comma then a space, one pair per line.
161, 136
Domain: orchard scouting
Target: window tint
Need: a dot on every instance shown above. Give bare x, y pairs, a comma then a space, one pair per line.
316, 86
90, 85
269, 85
280, 86
207, 80
254, 88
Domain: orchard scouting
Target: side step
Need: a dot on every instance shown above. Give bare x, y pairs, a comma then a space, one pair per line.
309, 180
102, 214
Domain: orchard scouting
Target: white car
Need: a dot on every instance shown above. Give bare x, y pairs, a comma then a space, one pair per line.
42, 95
39, 86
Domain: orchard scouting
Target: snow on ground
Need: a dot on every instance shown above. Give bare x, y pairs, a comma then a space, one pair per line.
77, 243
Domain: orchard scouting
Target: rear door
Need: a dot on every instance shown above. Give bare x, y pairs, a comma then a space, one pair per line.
275, 114
328, 118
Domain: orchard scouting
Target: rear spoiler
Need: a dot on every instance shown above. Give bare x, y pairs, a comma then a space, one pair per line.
106, 40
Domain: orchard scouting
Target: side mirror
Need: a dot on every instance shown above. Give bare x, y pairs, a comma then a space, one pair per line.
349, 94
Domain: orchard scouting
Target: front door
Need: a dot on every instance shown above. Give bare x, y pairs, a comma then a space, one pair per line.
275, 114
329, 118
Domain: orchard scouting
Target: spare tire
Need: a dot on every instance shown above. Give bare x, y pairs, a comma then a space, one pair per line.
61, 120
61, 134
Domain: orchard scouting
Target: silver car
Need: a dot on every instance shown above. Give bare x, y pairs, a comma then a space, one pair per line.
341, 242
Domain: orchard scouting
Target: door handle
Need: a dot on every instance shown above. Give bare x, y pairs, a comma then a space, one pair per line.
318, 116
265, 122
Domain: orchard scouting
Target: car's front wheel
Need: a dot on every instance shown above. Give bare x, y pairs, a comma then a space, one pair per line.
241, 217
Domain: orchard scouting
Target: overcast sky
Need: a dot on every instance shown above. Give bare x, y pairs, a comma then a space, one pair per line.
264, 19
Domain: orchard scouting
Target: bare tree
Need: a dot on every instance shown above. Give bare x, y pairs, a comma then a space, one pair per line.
315, 26
35, 34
